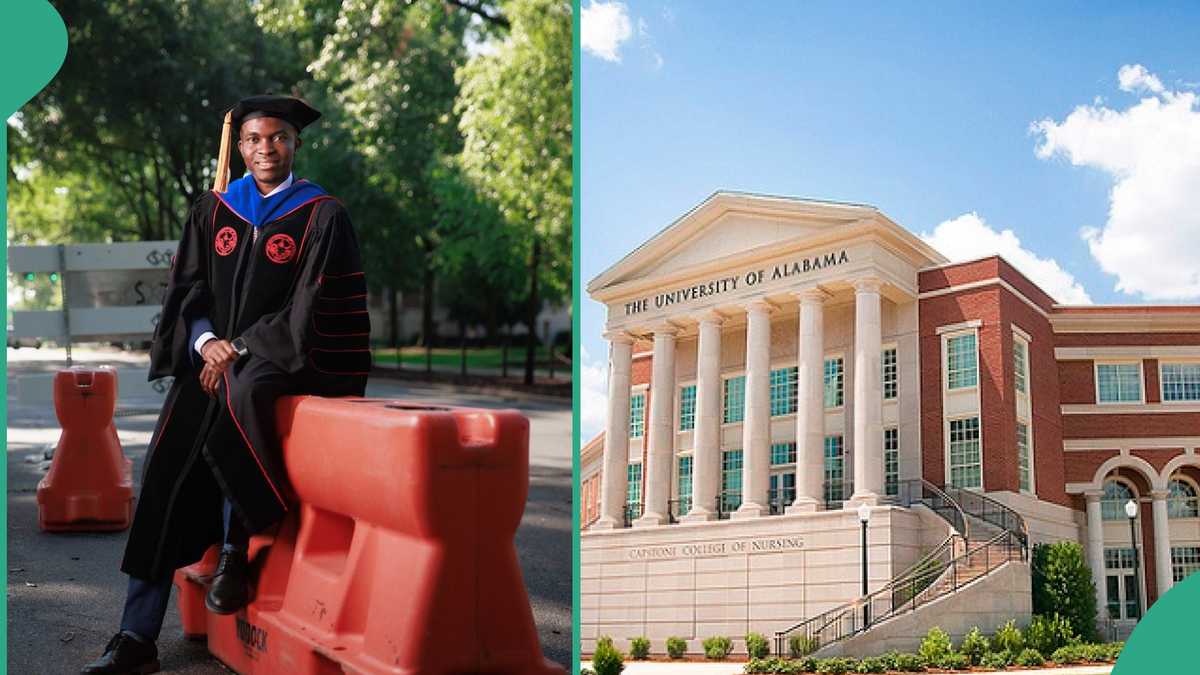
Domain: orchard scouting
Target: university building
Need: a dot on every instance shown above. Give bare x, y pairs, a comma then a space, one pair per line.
790, 377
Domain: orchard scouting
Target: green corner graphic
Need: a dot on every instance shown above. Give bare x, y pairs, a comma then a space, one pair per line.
1165, 639
33, 45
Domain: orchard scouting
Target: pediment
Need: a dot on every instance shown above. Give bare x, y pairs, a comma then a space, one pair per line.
727, 225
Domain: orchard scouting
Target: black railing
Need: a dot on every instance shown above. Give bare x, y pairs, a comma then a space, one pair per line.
728, 501
633, 511
779, 500
678, 508
952, 564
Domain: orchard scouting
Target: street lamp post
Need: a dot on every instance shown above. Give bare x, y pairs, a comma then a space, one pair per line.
1131, 510
864, 515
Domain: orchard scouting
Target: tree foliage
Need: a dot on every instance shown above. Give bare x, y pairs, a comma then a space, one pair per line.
1062, 583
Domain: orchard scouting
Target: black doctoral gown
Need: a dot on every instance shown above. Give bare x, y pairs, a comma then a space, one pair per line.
297, 295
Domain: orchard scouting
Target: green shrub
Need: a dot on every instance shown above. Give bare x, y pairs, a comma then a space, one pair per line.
872, 664
935, 645
889, 659
717, 647
1008, 638
772, 665
1047, 634
757, 646
1062, 583
607, 660
953, 661
800, 645
1111, 651
1069, 654
974, 646
806, 665
1030, 657
586, 671
910, 663
838, 665
639, 648
676, 647
997, 660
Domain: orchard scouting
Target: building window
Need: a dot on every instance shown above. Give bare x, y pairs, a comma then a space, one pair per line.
1121, 596
687, 408
1181, 382
784, 390
685, 485
1119, 382
783, 453
783, 491
731, 480
1184, 561
891, 461
961, 370
1020, 359
835, 379
891, 379
1112, 504
637, 415
966, 461
1024, 460
735, 399
835, 470
1182, 500
633, 491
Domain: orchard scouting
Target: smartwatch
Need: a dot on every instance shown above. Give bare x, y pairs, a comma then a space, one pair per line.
239, 346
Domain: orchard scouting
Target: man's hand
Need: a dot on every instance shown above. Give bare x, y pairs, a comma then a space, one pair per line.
210, 378
219, 354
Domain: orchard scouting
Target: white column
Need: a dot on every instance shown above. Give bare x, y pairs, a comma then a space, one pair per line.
868, 394
661, 452
616, 433
1162, 542
756, 427
706, 456
1095, 547
810, 410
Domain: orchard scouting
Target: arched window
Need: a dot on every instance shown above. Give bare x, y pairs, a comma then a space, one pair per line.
1183, 500
1112, 505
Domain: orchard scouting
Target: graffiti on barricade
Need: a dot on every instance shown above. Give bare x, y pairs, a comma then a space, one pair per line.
161, 386
160, 257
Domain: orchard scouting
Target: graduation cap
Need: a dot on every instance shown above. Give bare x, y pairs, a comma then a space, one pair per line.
293, 110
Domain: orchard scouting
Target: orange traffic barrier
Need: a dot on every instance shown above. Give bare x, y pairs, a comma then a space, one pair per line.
400, 556
90, 483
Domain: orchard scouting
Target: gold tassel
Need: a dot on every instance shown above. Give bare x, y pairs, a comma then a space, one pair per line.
221, 182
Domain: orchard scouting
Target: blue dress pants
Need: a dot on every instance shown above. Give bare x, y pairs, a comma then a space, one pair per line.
146, 600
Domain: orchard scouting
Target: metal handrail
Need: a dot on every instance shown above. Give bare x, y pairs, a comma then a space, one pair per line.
910, 588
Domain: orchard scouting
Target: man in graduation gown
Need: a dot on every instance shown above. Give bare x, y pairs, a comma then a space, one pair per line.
266, 298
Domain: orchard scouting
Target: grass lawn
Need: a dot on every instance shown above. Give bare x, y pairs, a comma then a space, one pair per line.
487, 357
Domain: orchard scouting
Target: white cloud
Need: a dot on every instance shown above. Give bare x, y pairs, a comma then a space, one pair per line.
604, 26
968, 237
1152, 152
1136, 77
593, 397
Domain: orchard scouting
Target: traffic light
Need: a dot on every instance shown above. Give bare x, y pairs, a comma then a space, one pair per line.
54, 277
29, 276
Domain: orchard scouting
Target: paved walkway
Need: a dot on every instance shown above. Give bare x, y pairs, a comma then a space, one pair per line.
662, 668
65, 591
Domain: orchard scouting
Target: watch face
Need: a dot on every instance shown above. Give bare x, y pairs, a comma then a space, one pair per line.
239, 345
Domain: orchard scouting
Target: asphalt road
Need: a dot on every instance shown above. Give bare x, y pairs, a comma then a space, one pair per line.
65, 591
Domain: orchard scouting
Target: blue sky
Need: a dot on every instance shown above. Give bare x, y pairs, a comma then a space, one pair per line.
1065, 138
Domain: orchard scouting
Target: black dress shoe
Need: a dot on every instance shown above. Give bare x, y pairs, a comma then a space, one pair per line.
230, 589
125, 655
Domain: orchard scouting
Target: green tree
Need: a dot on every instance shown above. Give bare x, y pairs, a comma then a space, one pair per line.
390, 67
516, 122
136, 108
1062, 583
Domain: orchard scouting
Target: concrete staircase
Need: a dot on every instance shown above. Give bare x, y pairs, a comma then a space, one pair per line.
986, 536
